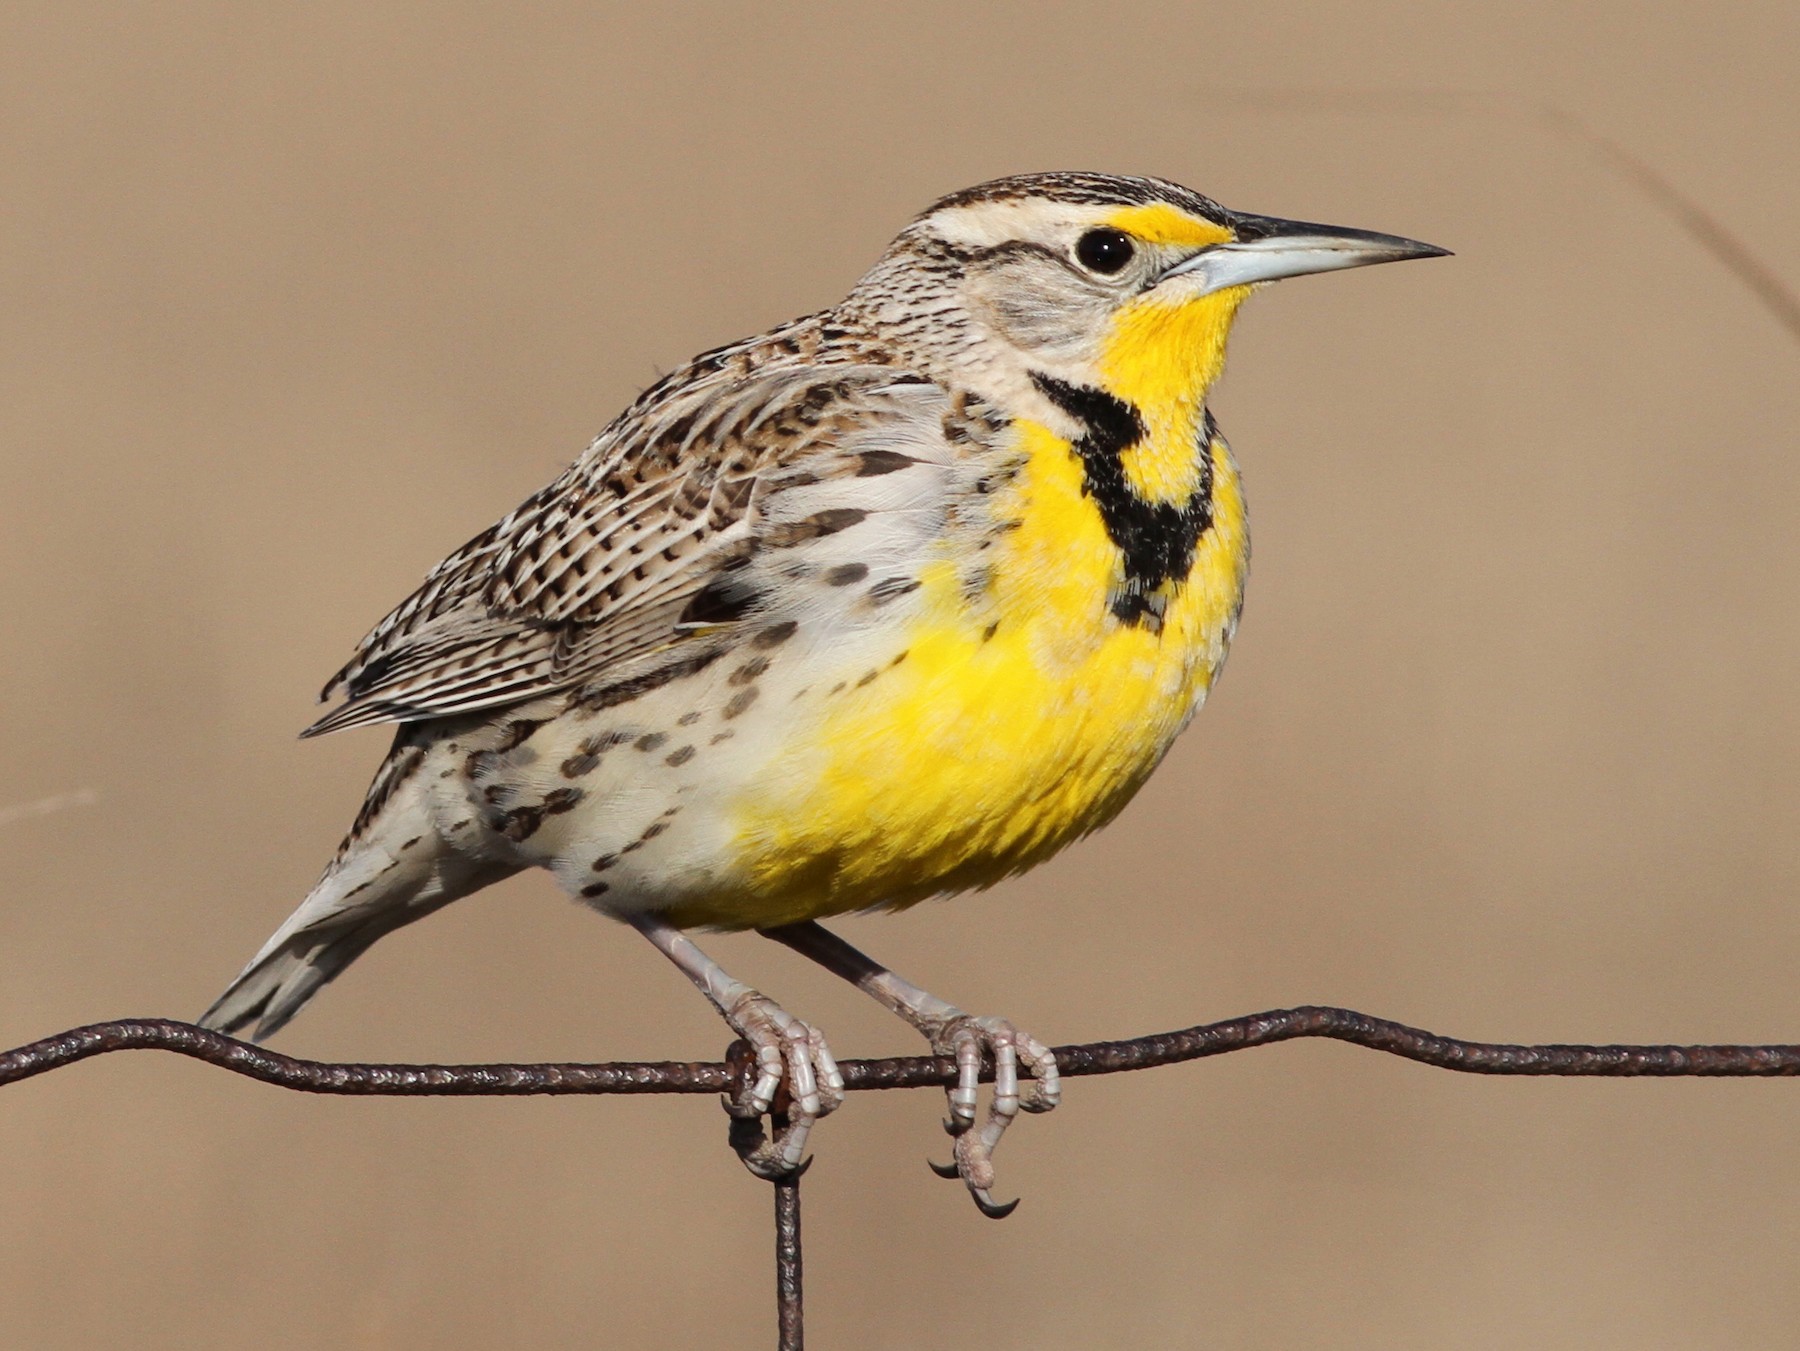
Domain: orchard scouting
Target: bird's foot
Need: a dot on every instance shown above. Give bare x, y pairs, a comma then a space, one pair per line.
790, 1073
971, 1042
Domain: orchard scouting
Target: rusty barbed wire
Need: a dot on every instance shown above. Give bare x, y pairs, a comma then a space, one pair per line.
1092, 1058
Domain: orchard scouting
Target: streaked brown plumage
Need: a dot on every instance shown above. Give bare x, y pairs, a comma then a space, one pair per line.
889, 601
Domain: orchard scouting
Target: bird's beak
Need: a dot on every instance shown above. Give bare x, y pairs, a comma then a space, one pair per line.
1268, 249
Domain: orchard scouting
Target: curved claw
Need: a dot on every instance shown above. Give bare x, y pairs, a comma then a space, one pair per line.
779, 1052
948, 1171
993, 1209
970, 1042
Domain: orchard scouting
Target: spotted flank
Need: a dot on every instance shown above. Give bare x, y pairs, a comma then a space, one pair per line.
889, 602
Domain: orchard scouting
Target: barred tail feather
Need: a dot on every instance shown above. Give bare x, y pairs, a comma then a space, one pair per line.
392, 870
323, 937
274, 987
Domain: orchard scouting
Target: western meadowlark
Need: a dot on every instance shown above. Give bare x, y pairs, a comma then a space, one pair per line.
889, 602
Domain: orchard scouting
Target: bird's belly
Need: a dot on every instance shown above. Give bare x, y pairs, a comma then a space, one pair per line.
958, 737
988, 736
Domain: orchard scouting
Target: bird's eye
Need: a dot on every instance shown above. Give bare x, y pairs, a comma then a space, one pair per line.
1105, 251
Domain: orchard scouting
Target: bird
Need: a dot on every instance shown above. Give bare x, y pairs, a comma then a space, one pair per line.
890, 602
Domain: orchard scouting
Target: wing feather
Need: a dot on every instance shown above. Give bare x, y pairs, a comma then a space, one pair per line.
596, 570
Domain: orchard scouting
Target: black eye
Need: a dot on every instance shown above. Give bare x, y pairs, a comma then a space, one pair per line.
1104, 250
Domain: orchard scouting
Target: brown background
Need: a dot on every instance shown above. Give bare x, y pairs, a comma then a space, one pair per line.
295, 298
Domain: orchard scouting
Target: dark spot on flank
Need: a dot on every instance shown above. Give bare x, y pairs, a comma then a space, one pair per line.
463, 824
632, 848
649, 741
726, 735
604, 862
410, 843
520, 823
593, 889
688, 719
840, 687
892, 588
740, 701
561, 800
654, 829
836, 519
749, 671
680, 757
990, 631
495, 791
872, 463
816, 526
866, 677
775, 635
447, 774
845, 574
899, 657
588, 753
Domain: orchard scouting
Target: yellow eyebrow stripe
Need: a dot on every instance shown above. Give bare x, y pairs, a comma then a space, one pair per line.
1160, 223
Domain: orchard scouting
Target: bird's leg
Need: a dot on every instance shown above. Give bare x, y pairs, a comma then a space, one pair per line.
784, 1048
959, 1036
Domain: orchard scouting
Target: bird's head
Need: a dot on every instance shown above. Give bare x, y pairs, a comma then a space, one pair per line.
1129, 284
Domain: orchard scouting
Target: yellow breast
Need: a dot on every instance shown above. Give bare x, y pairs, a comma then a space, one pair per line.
1012, 725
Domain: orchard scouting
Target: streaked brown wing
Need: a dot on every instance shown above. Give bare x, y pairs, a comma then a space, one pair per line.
598, 569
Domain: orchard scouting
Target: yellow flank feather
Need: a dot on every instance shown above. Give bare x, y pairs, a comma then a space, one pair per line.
982, 753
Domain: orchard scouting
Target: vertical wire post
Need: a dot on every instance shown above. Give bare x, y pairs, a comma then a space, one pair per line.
789, 1303
789, 1309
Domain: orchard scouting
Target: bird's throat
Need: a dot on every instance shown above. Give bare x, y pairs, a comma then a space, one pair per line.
1146, 446
1161, 357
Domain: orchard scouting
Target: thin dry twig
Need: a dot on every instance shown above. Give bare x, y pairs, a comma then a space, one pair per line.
1703, 227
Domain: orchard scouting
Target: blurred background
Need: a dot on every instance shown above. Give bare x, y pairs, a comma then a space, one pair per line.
294, 299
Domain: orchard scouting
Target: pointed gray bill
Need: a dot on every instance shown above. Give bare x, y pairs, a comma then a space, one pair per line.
1268, 249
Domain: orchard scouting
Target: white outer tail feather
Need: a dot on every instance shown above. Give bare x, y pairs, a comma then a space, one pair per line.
393, 870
